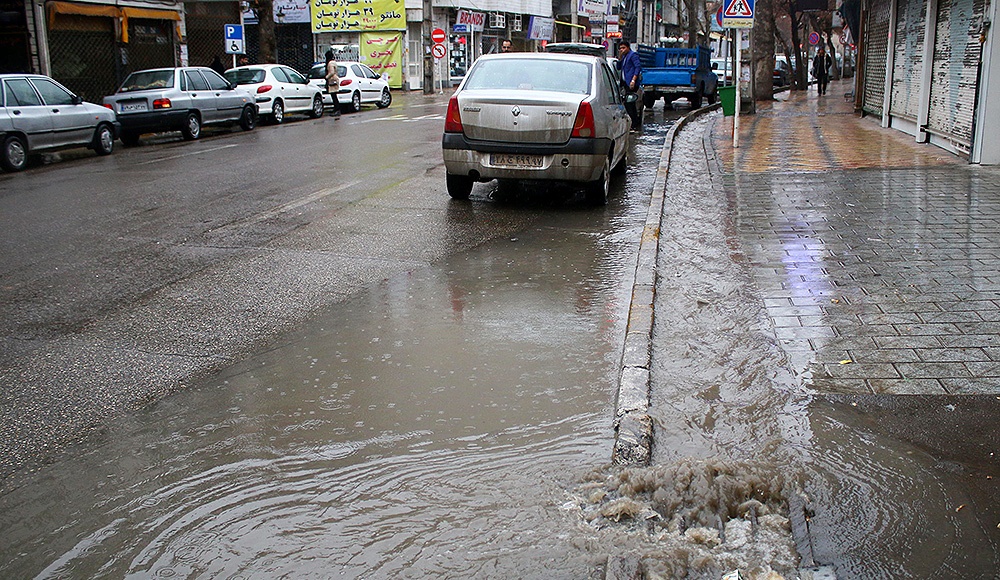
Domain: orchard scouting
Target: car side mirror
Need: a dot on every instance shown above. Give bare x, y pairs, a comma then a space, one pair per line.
77, 100
232, 86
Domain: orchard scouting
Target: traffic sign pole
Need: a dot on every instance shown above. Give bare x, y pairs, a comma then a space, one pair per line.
738, 73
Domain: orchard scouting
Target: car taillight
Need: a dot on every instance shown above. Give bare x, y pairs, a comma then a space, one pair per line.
345, 82
263, 89
584, 125
453, 120
161, 104
107, 106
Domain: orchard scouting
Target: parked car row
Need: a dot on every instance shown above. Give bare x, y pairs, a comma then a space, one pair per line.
37, 114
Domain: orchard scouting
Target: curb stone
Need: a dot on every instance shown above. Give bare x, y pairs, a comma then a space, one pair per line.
633, 425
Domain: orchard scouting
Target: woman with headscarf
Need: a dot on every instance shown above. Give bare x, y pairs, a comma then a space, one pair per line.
332, 81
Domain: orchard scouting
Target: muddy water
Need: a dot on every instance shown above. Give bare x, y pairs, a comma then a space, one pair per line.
434, 426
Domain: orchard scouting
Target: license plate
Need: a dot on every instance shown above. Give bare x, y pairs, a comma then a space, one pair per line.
134, 107
516, 160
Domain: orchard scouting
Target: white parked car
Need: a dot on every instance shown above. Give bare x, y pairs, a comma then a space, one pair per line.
279, 90
358, 85
38, 114
544, 116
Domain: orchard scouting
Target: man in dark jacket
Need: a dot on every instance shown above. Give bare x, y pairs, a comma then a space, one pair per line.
631, 77
821, 69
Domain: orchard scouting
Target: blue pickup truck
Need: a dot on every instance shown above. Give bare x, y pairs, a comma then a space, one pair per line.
673, 73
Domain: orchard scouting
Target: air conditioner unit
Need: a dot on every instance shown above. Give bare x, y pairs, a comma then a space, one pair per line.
498, 20
515, 23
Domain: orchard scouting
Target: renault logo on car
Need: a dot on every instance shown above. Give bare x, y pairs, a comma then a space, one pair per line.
515, 111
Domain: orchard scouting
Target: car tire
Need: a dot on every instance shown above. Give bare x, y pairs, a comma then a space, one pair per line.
14, 156
317, 109
104, 140
712, 98
622, 165
278, 112
459, 186
597, 191
386, 99
192, 127
130, 138
248, 120
695, 100
356, 102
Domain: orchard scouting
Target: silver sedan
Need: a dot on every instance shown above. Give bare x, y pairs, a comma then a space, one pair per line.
38, 114
179, 99
526, 116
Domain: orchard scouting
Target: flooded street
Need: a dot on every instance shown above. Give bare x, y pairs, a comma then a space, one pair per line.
455, 420
436, 425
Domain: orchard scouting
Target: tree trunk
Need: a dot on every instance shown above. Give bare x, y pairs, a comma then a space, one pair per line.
265, 19
763, 44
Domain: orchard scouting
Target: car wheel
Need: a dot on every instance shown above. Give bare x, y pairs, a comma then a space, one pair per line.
130, 138
14, 156
386, 99
248, 120
356, 102
104, 140
278, 112
459, 186
695, 100
622, 165
192, 127
597, 191
317, 110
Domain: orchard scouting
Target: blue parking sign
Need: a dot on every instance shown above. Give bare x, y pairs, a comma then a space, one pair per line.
234, 38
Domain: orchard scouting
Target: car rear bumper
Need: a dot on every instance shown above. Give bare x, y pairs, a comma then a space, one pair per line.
576, 160
154, 121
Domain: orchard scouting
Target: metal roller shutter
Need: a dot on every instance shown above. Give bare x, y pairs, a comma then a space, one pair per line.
876, 50
908, 62
955, 71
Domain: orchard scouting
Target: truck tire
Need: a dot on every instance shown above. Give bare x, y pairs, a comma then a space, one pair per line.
713, 97
695, 100
648, 99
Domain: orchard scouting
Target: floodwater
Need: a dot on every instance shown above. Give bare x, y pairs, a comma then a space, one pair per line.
434, 426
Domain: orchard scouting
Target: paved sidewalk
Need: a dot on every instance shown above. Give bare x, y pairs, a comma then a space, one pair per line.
878, 258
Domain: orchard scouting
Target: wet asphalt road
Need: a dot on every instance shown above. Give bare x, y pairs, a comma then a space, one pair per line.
129, 277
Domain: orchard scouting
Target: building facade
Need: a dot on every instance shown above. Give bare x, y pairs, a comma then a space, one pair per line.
931, 68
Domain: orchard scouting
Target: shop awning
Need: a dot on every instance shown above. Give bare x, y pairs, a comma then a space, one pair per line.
121, 13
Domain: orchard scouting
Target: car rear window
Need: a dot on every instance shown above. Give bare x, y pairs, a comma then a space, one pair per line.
530, 75
146, 80
318, 72
245, 76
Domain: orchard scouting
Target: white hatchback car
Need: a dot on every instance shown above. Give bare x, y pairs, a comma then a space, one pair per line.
279, 90
528, 116
358, 85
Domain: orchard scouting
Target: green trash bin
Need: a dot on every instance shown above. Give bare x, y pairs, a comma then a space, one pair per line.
727, 96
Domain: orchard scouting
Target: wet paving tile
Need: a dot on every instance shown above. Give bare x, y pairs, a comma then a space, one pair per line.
864, 243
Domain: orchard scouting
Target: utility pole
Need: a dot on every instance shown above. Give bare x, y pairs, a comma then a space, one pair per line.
425, 38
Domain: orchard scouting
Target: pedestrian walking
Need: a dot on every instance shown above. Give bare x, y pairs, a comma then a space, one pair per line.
821, 69
217, 65
631, 77
332, 82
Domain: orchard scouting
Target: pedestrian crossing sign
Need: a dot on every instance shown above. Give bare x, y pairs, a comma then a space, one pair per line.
737, 14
